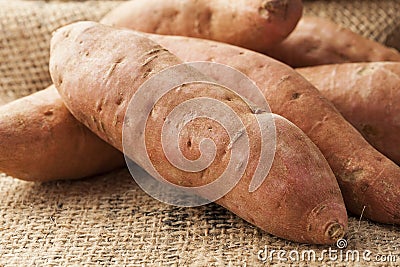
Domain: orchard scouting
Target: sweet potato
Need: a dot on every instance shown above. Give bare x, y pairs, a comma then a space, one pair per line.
369, 181
366, 177
368, 96
318, 41
256, 24
349, 156
299, 199
41, 140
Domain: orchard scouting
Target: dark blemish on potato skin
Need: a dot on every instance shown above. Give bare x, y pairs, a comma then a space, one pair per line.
369, 130
119, 60
119, 101
99, 107
284, 78
342, 56
147, 73
48, 112
66, 34
295, 96
312, 47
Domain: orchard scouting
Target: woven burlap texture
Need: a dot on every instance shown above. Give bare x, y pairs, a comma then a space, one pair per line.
374, 19
26, 28
108, 220
25, 32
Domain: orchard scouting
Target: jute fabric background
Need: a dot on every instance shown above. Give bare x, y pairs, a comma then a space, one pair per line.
108, 220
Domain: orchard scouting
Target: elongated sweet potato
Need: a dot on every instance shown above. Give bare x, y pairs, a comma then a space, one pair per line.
368, 96
299, 199
367, 178
41, 140
254, 24
318, 41
369, 181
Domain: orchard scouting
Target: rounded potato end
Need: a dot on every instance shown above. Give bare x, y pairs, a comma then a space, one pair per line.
327, 223
335, 231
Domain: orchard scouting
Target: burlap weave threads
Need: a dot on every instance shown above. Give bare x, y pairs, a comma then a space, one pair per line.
108, 220
26, 26
25, 32
374, 19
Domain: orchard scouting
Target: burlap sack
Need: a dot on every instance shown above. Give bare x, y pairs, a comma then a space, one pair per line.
374, 19
108, 220
26, 28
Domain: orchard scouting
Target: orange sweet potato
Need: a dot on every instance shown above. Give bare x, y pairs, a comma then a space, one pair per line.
40, 140
366, 177
318, 41
256, 24
299, 199
368, 96
369, 181
288, 93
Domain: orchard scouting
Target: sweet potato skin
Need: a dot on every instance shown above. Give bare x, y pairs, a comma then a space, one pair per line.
40, 140
366, 177
319, 215
369, 181
368, 96
318, 41
256, 25
298, 164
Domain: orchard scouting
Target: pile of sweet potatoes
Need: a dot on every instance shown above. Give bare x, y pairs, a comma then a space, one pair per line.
335, 127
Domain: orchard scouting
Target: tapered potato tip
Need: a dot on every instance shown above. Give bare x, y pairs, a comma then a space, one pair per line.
335, 231
327, 223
